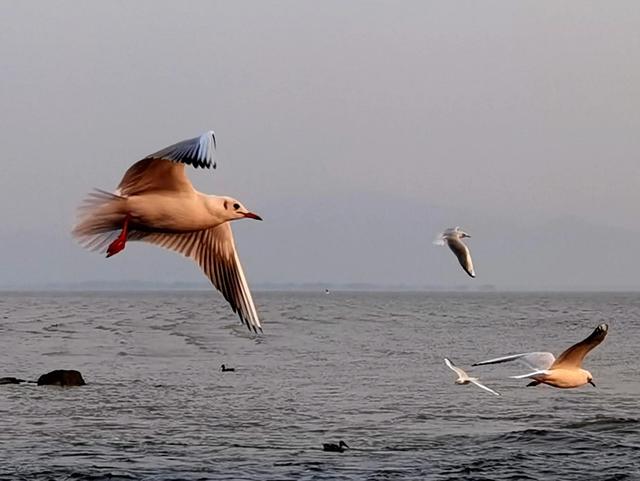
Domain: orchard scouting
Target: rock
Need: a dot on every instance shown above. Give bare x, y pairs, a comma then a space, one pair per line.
11, 380
61, 377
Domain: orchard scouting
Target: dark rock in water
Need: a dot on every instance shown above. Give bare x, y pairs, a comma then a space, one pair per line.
11, 380
61, 377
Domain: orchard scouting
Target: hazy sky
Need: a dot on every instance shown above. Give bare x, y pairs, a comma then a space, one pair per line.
357, 129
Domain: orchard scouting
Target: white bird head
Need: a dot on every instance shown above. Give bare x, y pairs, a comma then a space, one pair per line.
233, 209
454, 233
461, 234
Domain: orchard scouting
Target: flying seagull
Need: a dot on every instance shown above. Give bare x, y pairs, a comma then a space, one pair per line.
564, 372
156, 203
463, 377
452, 237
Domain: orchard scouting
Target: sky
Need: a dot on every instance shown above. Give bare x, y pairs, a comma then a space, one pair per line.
357, 129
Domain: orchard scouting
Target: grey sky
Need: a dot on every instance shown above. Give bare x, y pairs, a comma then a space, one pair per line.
357, 129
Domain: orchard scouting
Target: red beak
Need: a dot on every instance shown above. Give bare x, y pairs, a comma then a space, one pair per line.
251, 215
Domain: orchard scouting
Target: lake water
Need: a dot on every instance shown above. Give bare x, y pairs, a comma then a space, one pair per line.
363, 367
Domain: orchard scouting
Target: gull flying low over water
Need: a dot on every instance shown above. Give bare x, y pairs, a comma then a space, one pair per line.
463, 377
156, 203
564, 372
452, 237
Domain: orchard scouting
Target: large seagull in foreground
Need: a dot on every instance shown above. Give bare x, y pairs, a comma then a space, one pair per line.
156, 203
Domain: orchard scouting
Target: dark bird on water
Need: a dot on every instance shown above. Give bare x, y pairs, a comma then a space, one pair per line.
224, 368
335, 448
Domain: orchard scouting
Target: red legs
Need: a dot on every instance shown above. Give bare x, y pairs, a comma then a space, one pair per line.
118, 244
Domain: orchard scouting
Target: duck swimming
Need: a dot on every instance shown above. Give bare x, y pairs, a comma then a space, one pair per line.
224, 368
335, 448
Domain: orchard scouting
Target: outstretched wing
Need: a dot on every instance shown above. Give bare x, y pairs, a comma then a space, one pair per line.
573, 356
462, 253
214, 251
531, 374
534, 360
457, 370
482, 386
164, 170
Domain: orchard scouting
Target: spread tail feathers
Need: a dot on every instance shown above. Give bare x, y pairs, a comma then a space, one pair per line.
100, 216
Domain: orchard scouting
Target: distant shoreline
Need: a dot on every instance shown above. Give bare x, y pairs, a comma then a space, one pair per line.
143, 287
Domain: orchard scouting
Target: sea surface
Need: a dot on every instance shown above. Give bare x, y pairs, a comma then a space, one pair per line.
366, 368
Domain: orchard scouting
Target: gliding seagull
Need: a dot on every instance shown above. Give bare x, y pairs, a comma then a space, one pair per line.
452, 237
564, 372
463, 377
156, 203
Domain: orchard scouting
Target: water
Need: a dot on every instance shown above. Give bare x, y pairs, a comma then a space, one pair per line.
363, 367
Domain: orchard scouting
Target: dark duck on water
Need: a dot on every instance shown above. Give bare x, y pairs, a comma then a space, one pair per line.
335, 448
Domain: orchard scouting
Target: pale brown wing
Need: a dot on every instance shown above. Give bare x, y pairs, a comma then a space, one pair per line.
214, 251
164, 170
573, 356
149, 175
462, 253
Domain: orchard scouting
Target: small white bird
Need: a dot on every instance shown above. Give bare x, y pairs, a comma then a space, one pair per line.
156, 203
564, 372
463, 377
452, 237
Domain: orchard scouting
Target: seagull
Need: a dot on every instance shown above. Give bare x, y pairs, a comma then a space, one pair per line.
335, 448
463, 377
452, 237
156, 203
564, 372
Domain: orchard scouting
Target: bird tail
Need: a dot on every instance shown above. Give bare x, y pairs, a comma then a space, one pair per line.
99, 218
439, 240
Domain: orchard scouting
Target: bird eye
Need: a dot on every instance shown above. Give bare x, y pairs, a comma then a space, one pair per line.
236, 206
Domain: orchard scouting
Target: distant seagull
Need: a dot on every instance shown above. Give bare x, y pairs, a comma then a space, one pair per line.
564, 372
156, 203
224, 368
335, 448
326, 291
463, 377
452, 237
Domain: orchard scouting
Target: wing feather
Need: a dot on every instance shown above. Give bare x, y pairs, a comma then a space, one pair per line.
462, 253
214, 251
533, 360
164, 170
531, 374
482, 386
454, 368
574, 356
